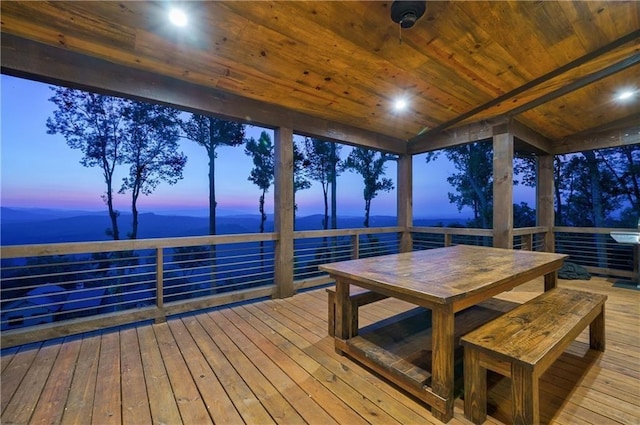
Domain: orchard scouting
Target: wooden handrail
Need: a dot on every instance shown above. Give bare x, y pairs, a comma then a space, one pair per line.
38, 250
162, 271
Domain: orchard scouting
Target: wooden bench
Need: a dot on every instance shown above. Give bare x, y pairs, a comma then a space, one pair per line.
523, 343
358, 297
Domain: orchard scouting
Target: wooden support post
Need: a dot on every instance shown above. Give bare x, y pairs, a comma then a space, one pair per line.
405, 201
544, 200
283, 221
355, 247
503, 190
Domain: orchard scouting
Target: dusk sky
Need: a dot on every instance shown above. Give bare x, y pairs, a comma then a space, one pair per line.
39, 170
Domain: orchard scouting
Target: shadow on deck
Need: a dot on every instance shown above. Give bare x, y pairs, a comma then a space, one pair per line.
272, 362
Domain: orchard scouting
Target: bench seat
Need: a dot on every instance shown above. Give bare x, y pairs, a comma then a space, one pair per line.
358, 297
523, 343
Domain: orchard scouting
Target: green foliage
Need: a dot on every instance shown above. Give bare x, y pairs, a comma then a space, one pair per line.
370, 164
210, 132
96, 126
322, 165
300, 180
262, 173
151, 150
524, 170
588, 191
523, 215
624, 164
592, 187
473, 181
111, 131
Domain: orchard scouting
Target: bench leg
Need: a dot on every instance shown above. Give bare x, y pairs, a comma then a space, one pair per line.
524, 396
354, 318
475, 387
596, 332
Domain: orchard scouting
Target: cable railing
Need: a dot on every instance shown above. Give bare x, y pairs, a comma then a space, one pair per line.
316, 247
529, 238
55, 290
595, 250
438, 237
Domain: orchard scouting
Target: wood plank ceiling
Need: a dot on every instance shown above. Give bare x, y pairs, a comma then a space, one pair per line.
554, 66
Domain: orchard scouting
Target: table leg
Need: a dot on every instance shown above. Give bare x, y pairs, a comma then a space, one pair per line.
550, 281
343, 312
443, 359
596, 332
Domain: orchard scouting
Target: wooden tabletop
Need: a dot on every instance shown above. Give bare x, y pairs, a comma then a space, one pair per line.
445, 275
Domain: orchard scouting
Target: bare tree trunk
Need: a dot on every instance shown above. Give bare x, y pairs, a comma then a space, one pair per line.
134, 213
334, 218
596, 201
325, 219
211, 150
556, 187
113, 214
367, 209
263, 218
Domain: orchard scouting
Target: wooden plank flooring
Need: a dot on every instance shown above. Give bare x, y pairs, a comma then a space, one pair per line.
272, 362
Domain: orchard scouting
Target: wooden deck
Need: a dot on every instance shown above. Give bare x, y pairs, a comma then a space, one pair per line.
272, 362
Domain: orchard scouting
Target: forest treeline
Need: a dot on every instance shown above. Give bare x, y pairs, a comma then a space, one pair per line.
593, 188
596, 188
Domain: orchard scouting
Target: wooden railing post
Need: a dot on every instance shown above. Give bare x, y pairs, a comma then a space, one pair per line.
161, 317
355, 247
527, 242
448, 237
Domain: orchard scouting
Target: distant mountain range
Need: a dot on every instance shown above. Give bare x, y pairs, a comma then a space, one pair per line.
35, 226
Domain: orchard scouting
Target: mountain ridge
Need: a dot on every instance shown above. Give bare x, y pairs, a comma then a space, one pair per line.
24, 226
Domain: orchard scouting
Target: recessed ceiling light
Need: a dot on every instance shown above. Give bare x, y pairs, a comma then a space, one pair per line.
625, 95
400, 104
178, 17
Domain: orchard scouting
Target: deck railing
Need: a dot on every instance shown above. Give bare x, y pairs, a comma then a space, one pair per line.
595, 250
437, 237
55, 290
315, 247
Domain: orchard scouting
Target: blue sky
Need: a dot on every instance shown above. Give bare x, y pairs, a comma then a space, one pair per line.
39, 170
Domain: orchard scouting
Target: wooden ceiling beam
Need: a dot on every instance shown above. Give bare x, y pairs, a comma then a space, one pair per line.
619, 133
420, 143
527, 139
28, 59
534, 141
459, 136
577, 84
